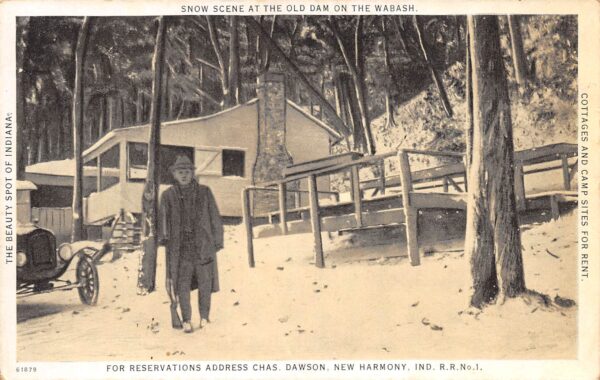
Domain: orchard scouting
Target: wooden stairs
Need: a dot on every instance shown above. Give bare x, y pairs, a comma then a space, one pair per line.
125, 233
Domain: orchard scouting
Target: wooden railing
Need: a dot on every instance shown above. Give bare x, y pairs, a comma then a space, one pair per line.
411, 185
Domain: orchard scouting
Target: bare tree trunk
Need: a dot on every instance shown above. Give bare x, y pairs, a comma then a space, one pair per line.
32, 147
201, 100
348, 108
264, 52
111, 112
139, 107
493, 239
469, 100
356, 70
147, 274
78, 91
214, 39
434, 73
23, 80
322, 92
389, 108
68, 131
235, 84
42, 146
102, 118
518, 54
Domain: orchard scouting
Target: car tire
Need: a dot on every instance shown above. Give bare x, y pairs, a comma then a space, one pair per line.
87, 278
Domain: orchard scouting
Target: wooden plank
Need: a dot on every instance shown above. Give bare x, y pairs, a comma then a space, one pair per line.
435, 153
565, 172
454, 185
283, 208
356, 196
410, 212
439, 200
545, 153
337, 223
247, 217
520, 186
321, 163
333, 169
551, 193
438, 172
412, 242
382, 177
405, 178
315, 221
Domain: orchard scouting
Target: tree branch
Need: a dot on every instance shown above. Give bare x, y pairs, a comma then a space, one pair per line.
436, 76
338, 124
208, 64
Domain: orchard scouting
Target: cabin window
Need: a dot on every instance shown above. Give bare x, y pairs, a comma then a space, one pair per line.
138, 161
233, 162
109, 171
109, 164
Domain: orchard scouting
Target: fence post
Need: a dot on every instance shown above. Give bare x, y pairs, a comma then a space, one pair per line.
247, 216
283, 207
410, 213
520, 187
382, 179
356, 196
565, 172
554, 209
315, 220
466, 176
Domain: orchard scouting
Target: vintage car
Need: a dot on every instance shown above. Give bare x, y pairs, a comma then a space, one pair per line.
40, 264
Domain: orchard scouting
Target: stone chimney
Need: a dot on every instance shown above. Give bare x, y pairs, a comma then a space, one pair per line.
272, 155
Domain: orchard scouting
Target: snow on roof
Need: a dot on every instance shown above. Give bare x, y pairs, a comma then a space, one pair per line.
58, 168
26, 185
65, 168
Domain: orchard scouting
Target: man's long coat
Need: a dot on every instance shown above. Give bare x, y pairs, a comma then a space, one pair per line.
205, 216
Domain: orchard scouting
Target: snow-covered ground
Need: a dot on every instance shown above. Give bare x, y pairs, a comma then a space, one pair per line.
374, 308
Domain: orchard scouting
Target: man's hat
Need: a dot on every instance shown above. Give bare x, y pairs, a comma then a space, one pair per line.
182, 162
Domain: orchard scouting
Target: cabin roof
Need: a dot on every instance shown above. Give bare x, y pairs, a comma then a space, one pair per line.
64, 168
26, 185
57, 168
115, 133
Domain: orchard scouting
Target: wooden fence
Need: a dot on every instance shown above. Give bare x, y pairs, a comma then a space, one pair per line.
416, 194
56, 219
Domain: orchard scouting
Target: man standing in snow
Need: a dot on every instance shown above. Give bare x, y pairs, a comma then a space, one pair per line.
192, 231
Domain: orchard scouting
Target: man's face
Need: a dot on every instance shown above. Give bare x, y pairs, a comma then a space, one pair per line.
183, 176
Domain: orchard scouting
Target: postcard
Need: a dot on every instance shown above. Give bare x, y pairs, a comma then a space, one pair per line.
318, 189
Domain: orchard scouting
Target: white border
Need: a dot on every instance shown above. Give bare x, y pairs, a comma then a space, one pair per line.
586, 366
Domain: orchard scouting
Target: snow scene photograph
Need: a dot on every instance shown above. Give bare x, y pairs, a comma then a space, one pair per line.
297, 187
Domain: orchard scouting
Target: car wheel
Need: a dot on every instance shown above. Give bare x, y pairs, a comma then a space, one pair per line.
87, 278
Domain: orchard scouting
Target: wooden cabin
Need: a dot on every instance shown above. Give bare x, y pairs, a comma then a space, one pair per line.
231, 149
